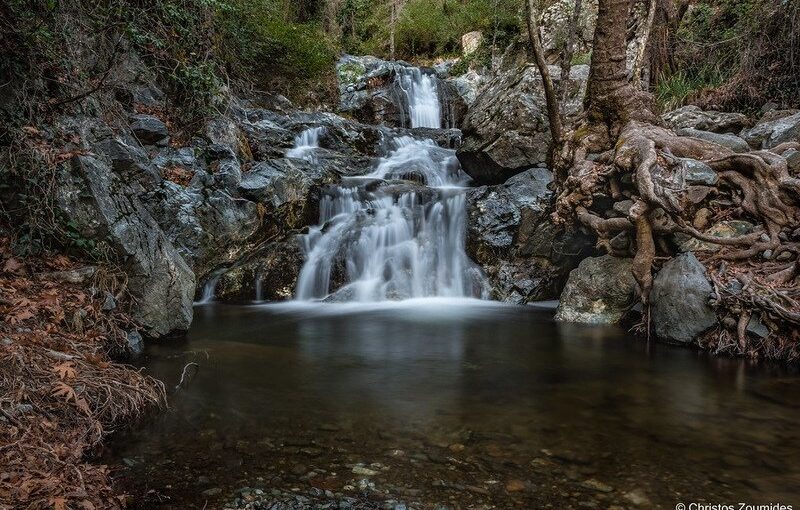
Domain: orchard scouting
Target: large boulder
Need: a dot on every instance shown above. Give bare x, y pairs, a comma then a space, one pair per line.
525, 257
206, 224
717, 122
772, 133
599, 291
679, 300
506, 130
103, 209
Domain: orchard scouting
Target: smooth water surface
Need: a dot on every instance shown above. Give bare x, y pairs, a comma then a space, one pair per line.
460, 403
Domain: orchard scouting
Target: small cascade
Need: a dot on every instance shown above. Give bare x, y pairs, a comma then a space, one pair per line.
398, 232
422, 161
210, 287
305, 143
422, 96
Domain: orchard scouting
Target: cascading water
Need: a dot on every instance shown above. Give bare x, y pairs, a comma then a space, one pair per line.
379, 239
305, 143
422, 96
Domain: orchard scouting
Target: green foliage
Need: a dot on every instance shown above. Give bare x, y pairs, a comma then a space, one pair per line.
425, 28
677, 89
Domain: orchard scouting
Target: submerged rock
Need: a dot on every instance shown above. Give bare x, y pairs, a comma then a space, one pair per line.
599, 291
679, 300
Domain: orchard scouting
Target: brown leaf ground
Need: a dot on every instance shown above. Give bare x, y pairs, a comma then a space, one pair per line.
60, 391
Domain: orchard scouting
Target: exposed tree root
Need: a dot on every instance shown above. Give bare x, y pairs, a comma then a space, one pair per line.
644, 167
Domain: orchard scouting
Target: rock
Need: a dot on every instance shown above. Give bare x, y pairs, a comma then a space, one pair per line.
107, 210
637, 497
792, 157
765, 135
225, 131
716, 122
724, 229
470, 42
596, 485
363, 471
756, 327
730, 141
130, 161
134, 342
207, 225
509, 235
599, 291
496, 212
216, 491
679, 300
698, 173
268, 275
468, 85
515, 486
506, 130
702, 218
109, 303
149, 129
556, 20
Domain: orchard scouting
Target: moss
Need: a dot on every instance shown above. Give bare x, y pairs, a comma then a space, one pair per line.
351, 72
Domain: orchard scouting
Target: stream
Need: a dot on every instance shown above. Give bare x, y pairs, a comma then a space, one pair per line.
453, 403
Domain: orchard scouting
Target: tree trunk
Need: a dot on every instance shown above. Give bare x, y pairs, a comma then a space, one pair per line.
553, 111
569, 49
610, 98
392, 25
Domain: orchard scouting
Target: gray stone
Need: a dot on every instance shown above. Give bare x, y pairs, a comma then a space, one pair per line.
730, 141
134, 342
679, 300
765, 135
130, 161
506, 130
693, 117
104, 208
724, 230
149, 129
268, 275
599, 291
698, 173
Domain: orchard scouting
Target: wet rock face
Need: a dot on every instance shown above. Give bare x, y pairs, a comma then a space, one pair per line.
269, 275
509, 235
506, 130
679, 300
599, 291
102, 206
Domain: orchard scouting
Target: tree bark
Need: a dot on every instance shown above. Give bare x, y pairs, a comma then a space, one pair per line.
610, 97
553, 110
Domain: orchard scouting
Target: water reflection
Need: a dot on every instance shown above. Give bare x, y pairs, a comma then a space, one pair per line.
505, 385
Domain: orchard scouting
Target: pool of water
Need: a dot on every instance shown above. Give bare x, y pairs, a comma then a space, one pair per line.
453, 404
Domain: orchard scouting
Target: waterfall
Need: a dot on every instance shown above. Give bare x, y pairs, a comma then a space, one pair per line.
422, 96
398, 232
305, 143
210, 287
